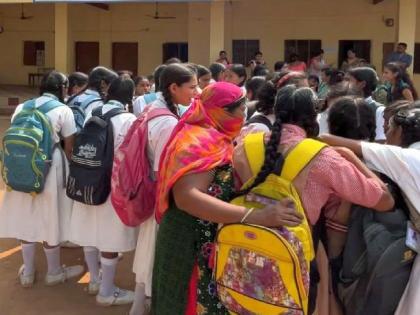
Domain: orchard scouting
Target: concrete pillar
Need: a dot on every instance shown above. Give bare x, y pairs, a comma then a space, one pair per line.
217, 29
105, 38
407, 25
206, 24
61, 38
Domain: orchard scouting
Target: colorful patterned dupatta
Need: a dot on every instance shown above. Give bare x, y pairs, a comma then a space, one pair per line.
202, 139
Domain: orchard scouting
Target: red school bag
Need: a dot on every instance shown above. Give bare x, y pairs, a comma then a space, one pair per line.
133, 190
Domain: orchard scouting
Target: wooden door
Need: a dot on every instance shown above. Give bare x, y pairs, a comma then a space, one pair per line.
387, 49
125, 57
87, 56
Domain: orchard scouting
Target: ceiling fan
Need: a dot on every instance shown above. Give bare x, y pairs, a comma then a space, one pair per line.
22, 14
157, 16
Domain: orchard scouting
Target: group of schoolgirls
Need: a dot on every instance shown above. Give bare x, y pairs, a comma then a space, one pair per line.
35, 206
371, 256
59, 188
234, 220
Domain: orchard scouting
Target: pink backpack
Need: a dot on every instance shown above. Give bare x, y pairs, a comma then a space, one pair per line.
133, 191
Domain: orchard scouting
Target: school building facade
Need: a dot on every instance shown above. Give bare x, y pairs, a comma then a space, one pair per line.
137, 36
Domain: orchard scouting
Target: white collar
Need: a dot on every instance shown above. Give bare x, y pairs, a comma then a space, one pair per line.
92, 92
415, 145
369, 99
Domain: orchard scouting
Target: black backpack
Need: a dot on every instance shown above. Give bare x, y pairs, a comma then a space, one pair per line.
89, 180
260, 119
376, 263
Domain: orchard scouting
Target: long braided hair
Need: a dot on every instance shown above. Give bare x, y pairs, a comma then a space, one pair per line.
174, 74
292, 106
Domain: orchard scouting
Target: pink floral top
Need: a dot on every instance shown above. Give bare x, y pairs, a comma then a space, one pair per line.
330, 178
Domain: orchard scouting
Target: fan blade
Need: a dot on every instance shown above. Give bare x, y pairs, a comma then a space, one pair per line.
167, 17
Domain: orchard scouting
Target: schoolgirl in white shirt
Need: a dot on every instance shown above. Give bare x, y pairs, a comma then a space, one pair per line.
45, 217
178, 85
98, 228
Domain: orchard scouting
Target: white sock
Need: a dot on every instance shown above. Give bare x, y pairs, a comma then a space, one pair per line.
109, 267
92, 262
53, 260
138, 307
28, 253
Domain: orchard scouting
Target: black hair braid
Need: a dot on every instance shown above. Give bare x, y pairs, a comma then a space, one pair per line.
273, 159
169, 103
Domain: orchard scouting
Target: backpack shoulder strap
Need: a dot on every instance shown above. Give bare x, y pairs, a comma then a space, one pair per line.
50, 105
260, 119
153, 113
97, 112
113, 112
300, 156
71, 99
89, 100
255, 151
29, 104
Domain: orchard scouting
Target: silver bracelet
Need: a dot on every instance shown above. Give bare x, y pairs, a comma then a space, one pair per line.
247, 214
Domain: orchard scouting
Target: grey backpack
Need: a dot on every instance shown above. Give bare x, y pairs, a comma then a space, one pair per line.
376, 262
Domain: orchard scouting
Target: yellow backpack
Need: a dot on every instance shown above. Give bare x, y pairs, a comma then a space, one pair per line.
262, 270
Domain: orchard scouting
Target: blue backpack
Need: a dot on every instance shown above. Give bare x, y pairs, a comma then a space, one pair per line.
79, 109
27, 148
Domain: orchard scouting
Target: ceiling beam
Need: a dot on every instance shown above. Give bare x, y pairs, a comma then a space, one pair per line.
102, 6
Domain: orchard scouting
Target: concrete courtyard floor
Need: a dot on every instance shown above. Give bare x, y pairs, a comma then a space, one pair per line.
69, 298
64, 299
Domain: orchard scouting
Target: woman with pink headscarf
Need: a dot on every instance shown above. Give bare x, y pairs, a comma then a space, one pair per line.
194, 187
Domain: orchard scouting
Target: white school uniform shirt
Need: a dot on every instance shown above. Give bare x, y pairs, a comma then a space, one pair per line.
403, 167
379, 116
140, 103
322, 119
159, 132
46, 216
99, 226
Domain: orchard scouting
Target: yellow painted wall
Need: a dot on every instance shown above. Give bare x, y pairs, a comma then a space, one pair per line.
129, 23
271, 21
124, 22
16, 31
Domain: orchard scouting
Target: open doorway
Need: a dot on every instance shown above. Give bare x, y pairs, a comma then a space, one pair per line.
360, 47
175, 50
